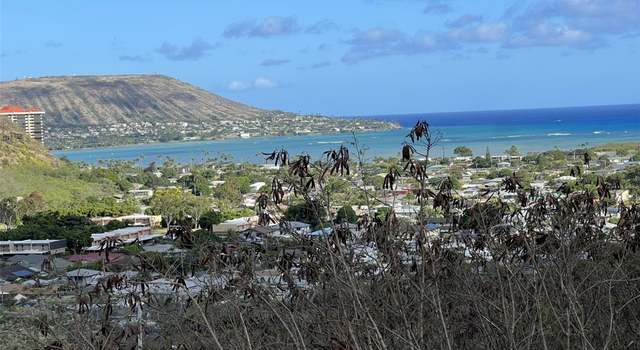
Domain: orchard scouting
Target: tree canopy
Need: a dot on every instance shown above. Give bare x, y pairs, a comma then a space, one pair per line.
463, 151
75, 229
311, 212
512, 151
346, 214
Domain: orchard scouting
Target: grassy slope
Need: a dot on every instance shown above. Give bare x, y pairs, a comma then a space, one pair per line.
58, 186
26, 167
619, 146
18, 148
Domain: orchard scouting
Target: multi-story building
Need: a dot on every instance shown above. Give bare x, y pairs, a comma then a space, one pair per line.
35, 246
31, 120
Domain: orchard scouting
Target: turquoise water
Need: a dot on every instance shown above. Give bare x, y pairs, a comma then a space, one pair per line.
530, 130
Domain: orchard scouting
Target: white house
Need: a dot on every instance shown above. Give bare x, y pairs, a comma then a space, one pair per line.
127, 235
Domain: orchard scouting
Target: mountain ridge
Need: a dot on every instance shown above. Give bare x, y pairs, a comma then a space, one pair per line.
83, 100
108, 110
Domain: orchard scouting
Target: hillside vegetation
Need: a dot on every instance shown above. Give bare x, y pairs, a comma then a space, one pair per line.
17, 148
27, 167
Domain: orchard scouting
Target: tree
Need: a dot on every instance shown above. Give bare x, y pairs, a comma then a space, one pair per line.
109, 244
107, 206
479, 162
228, 192
381, 213
168, 203
198, 185
311, 212
196, 207
632, 176
209, 219
34, 203
346, 214
512, 151
463, 151
8, 211
76, 230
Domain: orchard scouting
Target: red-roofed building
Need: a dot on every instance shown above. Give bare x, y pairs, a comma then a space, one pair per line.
30, 119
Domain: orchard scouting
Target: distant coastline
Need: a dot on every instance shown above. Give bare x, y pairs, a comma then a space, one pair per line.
220, 139
530, 130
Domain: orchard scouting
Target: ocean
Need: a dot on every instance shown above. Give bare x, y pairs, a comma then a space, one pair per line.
530, 130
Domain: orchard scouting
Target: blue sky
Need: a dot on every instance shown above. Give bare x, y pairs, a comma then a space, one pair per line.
348, 57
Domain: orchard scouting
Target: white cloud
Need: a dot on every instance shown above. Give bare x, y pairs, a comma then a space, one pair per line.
483, 32
603, 16
238, 85
263, 28
258, 83
549, 34
264, 83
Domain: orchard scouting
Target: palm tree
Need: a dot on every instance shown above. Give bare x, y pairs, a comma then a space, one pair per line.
109, 244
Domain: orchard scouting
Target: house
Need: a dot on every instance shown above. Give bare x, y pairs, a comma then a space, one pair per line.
135, 220
503, 165
141, 220
14, 272
235, 225
407, 210
608, 154
505, 157
84, 277
216, 183
95, 257
257, 233
256, 186
297, 227
33, 246
249, 200
36, 262
565, 179
125, 235
141, 194
168, 249
324, 232
270, 166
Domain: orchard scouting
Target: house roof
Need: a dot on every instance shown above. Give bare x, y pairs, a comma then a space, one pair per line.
32, 241
162, 248
119, 232
322, 232
296, 224
92, 257
16, 270
23, 273
262, 229
84, 273
18, 109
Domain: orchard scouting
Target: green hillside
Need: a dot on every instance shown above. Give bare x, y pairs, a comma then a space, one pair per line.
27, 167
18, 148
